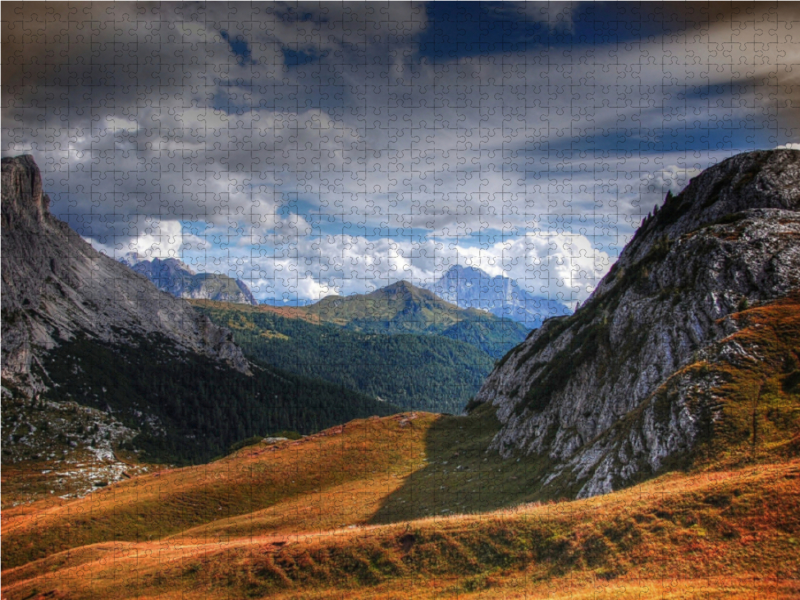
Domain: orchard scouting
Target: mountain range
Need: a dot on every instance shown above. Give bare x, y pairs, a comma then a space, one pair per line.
464, 287
646, 445
399, 343
410, 370
470, 287
80, 327
179, 279
404, 308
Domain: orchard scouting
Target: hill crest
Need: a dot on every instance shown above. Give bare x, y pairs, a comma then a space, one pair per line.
403, 308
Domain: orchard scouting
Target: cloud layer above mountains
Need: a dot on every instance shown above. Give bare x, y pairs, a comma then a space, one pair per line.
318, 148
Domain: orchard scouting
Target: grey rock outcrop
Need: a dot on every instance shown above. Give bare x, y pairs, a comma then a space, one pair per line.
469, 287
177, 278
56, 285
583, 391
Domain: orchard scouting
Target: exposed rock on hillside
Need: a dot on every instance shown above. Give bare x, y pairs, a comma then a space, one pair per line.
177, 278
602, 394
80, 327
56, 285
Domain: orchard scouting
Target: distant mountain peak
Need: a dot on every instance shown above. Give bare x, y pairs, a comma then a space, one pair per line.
402, 307
467, 270
407, 289
131, 259
177, 278
401, 285
471, 287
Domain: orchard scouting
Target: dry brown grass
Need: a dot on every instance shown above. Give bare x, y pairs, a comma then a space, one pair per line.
759, 392
711, 535
297, 519
289, 312
337, 477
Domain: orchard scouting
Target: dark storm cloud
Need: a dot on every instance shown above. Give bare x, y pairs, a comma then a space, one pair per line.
146, 116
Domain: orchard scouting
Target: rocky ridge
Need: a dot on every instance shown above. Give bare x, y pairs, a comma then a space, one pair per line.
55, 285
470, 287
177, 278
605, 396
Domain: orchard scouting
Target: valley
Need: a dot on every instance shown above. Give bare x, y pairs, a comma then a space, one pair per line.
400, 300
400, 344
171, 399
410, 370
646, 444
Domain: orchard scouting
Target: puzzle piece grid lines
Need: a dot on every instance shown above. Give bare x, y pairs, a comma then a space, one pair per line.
521, 140
315, 149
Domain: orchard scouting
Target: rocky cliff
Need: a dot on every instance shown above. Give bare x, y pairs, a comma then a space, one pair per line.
56, 285
633, 382
177, 278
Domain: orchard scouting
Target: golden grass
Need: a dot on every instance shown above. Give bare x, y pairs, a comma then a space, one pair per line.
353, 466
29, 486
342, 514
711, 535
288, 312
760, 397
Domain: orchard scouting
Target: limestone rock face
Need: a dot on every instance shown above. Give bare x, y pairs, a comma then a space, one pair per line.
580, 390
469, 287
177, 278
56, 285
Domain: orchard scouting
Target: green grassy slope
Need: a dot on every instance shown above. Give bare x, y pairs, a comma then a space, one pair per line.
421, 372
404, 308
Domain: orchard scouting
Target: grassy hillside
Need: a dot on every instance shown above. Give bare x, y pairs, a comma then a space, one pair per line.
412, 371
336, 478
189, 408
760, 399
60, 449
404, 308
400, 307
297, 520
412, 505
400, 468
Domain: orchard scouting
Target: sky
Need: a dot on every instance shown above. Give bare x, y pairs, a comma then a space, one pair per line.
315, 148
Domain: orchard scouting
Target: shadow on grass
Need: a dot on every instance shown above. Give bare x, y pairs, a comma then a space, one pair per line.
461, 476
